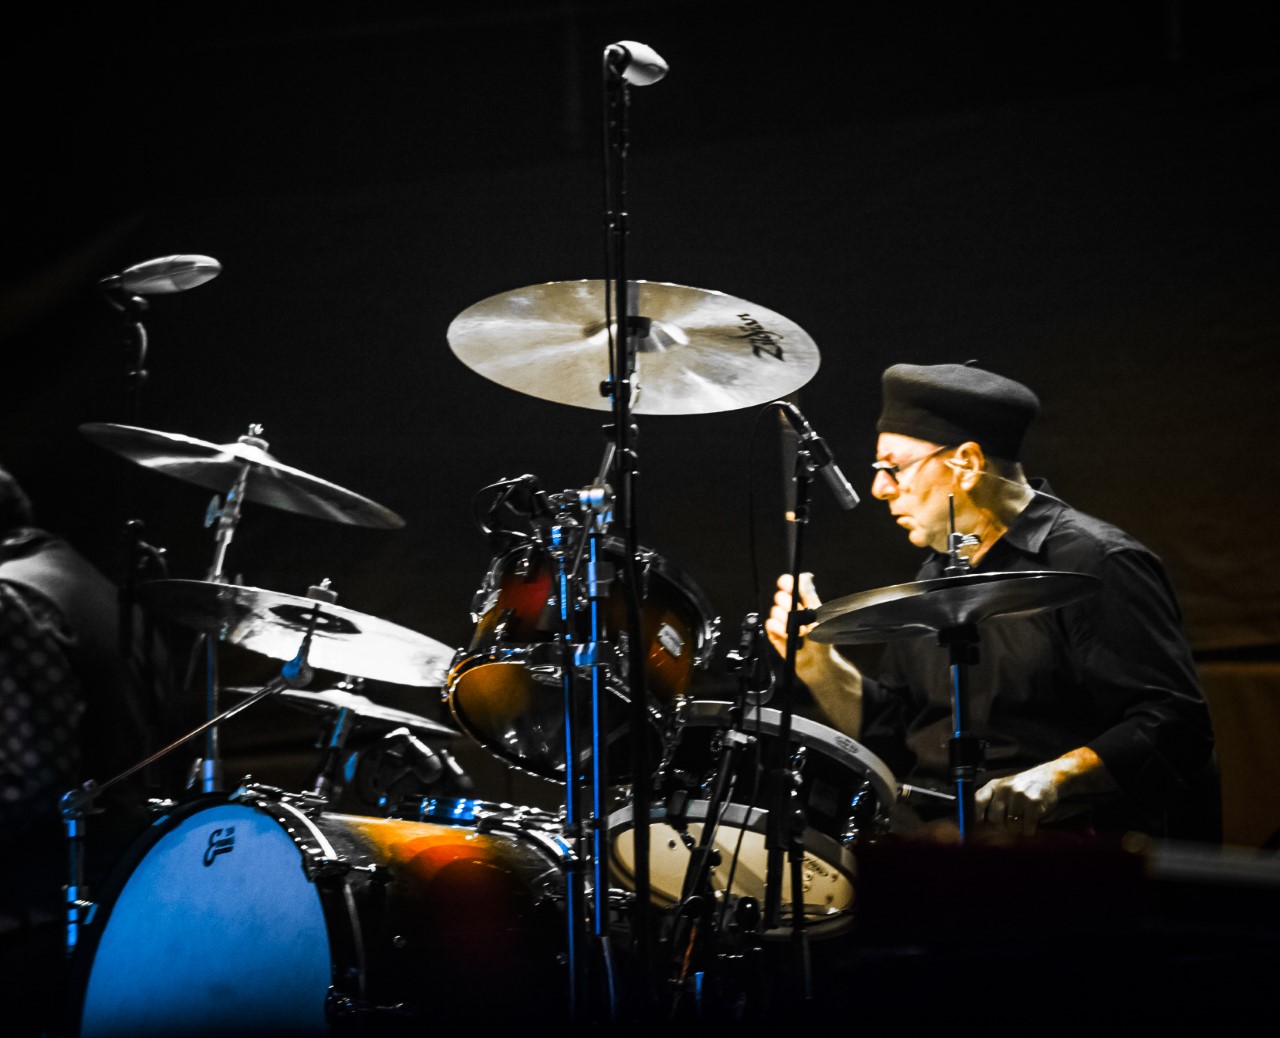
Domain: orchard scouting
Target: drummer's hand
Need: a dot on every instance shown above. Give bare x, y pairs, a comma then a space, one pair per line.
776, 625
1019, 803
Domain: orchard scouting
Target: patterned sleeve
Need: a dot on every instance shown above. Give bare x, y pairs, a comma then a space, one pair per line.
40, 709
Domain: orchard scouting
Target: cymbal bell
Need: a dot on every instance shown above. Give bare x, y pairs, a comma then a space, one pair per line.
217, 466
697, 351
944, 603
274, 624
331, 700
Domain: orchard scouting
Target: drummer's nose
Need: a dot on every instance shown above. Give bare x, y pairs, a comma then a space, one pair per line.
883, 486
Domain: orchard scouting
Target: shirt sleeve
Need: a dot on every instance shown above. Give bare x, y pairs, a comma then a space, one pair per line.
1137, 665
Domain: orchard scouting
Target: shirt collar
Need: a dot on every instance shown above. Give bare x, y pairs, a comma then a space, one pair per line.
1028, 531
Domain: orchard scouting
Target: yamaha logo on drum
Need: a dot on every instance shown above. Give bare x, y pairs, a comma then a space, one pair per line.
221, 841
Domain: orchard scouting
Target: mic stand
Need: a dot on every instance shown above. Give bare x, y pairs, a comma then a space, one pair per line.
619, 387
697, 907
785, 826
77, 804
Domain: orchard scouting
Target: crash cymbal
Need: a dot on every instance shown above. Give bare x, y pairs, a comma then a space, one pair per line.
218, 466
907, 610
331, 700
698, 351
273, 624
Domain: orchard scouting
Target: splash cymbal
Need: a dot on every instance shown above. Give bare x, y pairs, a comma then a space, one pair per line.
944, 603
218, 466
274, 624
697, 351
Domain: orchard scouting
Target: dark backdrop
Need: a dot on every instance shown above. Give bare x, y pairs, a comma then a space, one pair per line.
1081, 197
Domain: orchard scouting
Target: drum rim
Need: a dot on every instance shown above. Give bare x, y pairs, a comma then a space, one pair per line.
830, 851
809, 733
708, 630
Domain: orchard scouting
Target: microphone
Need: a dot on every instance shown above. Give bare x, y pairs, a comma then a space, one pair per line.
823, 460
757, 676
420, 758
638, 64
162, 276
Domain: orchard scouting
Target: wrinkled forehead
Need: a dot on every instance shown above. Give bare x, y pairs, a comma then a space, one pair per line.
898, 448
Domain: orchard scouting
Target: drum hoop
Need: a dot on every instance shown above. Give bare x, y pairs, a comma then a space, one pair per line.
808, 733
738, 816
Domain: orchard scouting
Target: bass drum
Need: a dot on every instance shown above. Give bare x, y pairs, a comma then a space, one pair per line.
844, 790
506, 688
257, 914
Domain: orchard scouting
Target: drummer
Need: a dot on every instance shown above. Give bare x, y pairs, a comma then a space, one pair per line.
1090, 716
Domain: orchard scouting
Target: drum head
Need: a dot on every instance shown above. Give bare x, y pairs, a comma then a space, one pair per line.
829, 869
216, 917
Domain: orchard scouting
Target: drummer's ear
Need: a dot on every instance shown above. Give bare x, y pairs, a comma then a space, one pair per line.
968, 463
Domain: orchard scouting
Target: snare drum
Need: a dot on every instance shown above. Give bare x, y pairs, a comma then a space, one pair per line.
506, 688
260, 914
845, 792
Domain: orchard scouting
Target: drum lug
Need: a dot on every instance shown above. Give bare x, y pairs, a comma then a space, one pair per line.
344, 1010
320, 869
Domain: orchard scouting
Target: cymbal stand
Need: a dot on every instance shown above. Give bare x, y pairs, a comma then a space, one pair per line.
595, 657
965, 752
77, 804
226, 514
561, 547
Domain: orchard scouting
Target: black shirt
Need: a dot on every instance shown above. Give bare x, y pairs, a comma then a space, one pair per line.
1112, 672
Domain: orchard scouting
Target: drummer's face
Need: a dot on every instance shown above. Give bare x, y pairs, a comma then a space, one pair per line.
918, 492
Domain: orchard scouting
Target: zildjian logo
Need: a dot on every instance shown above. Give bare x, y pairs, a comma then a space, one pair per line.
762, 340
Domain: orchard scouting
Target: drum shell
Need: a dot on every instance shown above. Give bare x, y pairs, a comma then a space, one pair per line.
506, 688
318, 924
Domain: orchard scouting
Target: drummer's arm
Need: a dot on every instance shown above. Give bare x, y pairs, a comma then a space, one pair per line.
836, 684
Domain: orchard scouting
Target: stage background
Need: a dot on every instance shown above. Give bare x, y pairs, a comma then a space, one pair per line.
1079, 197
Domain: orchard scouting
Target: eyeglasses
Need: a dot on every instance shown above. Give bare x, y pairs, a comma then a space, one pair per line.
894, 471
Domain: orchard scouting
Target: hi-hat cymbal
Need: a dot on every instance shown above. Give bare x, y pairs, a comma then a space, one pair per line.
697, 351
331, 700
273, 624
944, 603
218, 466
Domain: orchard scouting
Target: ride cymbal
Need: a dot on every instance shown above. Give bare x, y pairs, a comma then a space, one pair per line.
697, 351
944, 603
218, 466
274, 624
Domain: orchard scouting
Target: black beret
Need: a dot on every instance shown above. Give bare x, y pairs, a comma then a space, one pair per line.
953, 403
